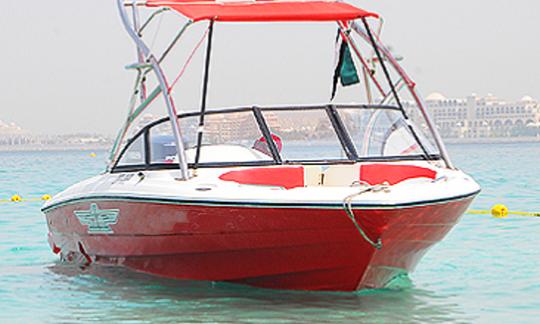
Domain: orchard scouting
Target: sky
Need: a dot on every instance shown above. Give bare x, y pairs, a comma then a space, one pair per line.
63, 60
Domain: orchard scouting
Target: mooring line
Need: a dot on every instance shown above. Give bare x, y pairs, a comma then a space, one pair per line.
347, 206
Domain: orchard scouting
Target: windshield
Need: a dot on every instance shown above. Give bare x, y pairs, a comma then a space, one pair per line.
275, 135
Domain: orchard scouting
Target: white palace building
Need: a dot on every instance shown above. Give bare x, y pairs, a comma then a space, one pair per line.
12, 134
484, 117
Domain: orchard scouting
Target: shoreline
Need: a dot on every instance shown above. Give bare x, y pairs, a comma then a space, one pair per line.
102, 147
53, 148
494, 140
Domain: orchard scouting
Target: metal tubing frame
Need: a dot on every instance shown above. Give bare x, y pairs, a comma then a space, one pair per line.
204, 98
392, 88
367, 71
398, 85
411, 86
133, 113
133, 31
267, 134
347, 38
149, 20
113, 154
140, 54
343, 136
174, 41
385, 70
150, 58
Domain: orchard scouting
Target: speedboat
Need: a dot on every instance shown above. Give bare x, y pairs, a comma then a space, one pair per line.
334, 196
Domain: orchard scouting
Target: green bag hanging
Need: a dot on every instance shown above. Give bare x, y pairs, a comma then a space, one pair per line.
345, 70
348, 73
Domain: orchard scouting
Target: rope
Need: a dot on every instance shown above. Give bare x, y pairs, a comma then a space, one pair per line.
347, 206
190, 57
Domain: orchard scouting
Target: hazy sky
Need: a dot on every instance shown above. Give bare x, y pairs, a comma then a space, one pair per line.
63, 60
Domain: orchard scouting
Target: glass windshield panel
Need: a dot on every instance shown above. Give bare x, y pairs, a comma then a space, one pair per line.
162, 144
299, 135
421, 126
380, 133
134, 155
227, 137
304, 135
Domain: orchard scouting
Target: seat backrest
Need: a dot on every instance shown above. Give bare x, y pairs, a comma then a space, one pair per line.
379, 173
286, 177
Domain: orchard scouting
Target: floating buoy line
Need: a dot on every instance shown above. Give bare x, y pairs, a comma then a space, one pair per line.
20, 199
497, 211
501, 211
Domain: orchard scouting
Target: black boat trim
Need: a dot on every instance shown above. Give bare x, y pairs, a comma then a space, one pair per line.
216, 203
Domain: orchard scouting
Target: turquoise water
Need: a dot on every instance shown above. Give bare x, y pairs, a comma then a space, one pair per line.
486, 270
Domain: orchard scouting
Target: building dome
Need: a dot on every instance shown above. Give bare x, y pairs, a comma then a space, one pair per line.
527, 99
11, 129
435, 96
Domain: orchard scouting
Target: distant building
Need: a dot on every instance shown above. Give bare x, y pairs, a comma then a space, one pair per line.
484, 117
14, 137
233, 127
12, 134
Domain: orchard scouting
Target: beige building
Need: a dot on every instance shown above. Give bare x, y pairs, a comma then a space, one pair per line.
484, 117
12, 134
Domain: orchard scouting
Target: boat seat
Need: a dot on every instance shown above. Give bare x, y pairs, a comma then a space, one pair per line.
294, 177
286, 177
379, 173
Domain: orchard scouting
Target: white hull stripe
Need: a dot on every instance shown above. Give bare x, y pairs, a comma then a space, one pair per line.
216, 203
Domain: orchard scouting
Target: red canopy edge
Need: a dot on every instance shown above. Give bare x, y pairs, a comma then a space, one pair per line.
264, 10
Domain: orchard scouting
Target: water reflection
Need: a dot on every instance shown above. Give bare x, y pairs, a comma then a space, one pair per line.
116, 294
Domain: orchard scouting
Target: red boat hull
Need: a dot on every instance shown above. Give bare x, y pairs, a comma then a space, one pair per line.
282, 248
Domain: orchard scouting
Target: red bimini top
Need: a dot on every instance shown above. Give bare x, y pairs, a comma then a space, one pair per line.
264, 10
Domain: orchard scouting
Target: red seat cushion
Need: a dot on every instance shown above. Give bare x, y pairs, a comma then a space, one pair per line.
393, 173
286, 177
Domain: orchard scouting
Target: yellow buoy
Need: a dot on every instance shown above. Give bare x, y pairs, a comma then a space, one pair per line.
16, 198
46, 197
93, 154
499, 211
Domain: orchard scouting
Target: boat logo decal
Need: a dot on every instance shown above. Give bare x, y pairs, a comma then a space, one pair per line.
98, 221
123, 178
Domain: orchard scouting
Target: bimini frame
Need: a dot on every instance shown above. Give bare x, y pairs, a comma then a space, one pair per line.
149, 62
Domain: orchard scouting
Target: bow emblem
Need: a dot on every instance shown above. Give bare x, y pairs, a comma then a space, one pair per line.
98, 221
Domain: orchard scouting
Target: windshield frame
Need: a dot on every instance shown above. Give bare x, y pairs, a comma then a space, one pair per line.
331, 110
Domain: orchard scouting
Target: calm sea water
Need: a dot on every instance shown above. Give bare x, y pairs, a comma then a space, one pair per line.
486, 270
